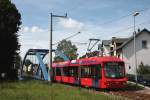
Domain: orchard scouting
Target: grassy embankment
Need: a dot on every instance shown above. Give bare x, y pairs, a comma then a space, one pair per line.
39, 90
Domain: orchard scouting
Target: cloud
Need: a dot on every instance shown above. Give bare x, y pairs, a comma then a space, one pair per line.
71, 23
33, 29
32, 37
25, 29
40, 36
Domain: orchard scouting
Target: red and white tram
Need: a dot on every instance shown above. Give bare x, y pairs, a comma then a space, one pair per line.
97, 72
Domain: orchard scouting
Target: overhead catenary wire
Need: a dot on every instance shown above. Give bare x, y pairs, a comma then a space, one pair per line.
68, 37
79, 43
124, 16
109, 22
72, 36
131, 27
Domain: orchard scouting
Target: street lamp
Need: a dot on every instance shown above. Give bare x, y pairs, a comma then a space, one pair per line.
50, 41
134, 35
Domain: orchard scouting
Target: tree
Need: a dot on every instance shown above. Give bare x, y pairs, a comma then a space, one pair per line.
68, 49
143, 69
18, 61
90, 54
58, 59
10, 20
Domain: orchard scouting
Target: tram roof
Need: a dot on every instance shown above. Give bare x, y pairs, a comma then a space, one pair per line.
87, 61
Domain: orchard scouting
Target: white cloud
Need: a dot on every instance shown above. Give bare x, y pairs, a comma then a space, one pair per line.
71, 23
33, 29
33, 37
40, 37
24, 29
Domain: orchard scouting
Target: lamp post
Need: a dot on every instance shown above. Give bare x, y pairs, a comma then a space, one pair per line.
134, 35
50, 41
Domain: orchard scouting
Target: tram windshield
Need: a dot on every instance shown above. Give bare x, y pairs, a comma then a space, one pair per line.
114, 70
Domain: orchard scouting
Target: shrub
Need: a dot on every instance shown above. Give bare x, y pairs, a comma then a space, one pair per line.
143, 69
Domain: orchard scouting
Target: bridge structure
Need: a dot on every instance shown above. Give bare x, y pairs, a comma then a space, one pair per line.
35, 63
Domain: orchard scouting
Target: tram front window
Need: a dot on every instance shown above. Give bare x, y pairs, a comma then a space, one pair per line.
114, 70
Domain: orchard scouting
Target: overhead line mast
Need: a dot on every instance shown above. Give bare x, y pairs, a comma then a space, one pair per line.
50, 46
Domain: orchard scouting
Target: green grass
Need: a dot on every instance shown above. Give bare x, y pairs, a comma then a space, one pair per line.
39, 90
134, 87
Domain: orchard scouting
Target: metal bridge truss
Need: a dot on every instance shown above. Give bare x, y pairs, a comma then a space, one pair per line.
37, 68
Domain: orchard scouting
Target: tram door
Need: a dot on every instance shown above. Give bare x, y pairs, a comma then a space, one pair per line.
96, 75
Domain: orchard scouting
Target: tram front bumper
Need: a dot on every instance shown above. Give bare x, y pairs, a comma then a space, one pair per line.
115, 84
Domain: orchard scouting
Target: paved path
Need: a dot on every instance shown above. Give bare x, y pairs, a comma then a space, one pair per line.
134, 95
146, 90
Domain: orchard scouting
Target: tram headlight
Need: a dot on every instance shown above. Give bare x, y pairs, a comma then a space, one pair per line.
124, 83
107, 83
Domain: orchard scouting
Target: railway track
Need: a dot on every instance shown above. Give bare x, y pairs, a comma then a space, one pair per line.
133, 95
133, 92
130, 93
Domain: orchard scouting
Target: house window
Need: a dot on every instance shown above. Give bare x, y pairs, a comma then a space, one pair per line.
144, 44
118, 55
111, 48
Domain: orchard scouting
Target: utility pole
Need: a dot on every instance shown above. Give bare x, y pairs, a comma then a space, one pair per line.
135, 58
50, 41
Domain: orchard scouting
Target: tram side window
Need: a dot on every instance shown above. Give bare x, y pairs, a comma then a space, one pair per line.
96, 71
65, 71
58, 71
85, 71
73, 71
91, 71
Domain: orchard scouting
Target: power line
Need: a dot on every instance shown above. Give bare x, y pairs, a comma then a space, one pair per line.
108, 22
113, 20
79, 43
72, 36
124, 16
127, 28
130, 27
68, 37
144, 9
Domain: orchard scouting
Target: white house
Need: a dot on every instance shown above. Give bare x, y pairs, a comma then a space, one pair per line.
124, 49
106, 47
142, 51
109, 47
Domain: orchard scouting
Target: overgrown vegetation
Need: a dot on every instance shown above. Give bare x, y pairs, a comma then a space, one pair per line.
9, 26
143, 69
39, 90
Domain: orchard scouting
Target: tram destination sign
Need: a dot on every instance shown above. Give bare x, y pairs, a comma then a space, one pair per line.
87, 62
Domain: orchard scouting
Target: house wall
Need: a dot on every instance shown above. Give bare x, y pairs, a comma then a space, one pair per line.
106, 50
143, 55
115, 46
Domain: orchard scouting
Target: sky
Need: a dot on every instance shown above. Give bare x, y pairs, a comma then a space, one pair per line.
100, 19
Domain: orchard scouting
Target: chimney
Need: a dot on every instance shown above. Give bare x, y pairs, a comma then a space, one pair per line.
139, 30
113, 38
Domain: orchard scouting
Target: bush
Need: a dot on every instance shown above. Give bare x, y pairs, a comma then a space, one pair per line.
143, 69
